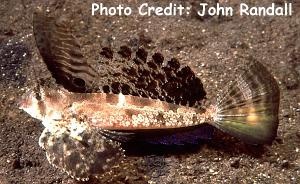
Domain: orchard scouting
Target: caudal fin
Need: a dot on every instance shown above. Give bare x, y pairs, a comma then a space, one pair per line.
248, 109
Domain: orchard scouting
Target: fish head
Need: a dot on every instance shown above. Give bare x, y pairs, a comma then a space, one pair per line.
32, 102
43, 104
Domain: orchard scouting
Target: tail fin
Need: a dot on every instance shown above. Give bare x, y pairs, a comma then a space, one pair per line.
248, 109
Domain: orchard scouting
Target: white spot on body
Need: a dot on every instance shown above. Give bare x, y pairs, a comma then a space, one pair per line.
122, 100
127, 123
76, 128
134, 123
146, 121
111, 119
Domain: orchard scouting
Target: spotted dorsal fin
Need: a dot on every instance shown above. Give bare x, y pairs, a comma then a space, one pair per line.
141, 74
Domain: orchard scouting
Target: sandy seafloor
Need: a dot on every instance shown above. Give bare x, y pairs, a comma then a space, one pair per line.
214, 47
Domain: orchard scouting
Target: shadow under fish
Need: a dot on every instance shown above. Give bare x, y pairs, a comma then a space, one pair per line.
134, 97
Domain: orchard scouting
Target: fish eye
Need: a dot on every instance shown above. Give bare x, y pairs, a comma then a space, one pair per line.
38, 96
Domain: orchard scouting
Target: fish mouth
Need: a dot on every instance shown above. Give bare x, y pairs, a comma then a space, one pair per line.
24, 102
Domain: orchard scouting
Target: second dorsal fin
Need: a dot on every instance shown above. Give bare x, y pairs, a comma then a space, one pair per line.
142, 74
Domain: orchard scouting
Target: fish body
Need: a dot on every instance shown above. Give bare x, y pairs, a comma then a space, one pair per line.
247, 109
95, 110
118, 112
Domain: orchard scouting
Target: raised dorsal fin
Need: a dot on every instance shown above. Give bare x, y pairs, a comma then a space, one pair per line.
61, 53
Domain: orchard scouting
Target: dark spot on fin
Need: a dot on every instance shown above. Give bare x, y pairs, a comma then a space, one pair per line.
158, 58
125, 89
79, 82
106, 89
152, 65
185, 73
130, 71
173, 64
116, 87
142, 54
125, 52
107, 52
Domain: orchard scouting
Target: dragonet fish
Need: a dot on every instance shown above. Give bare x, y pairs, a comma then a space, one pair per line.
84, 124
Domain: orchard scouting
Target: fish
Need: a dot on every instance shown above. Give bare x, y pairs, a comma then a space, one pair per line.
89, 114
